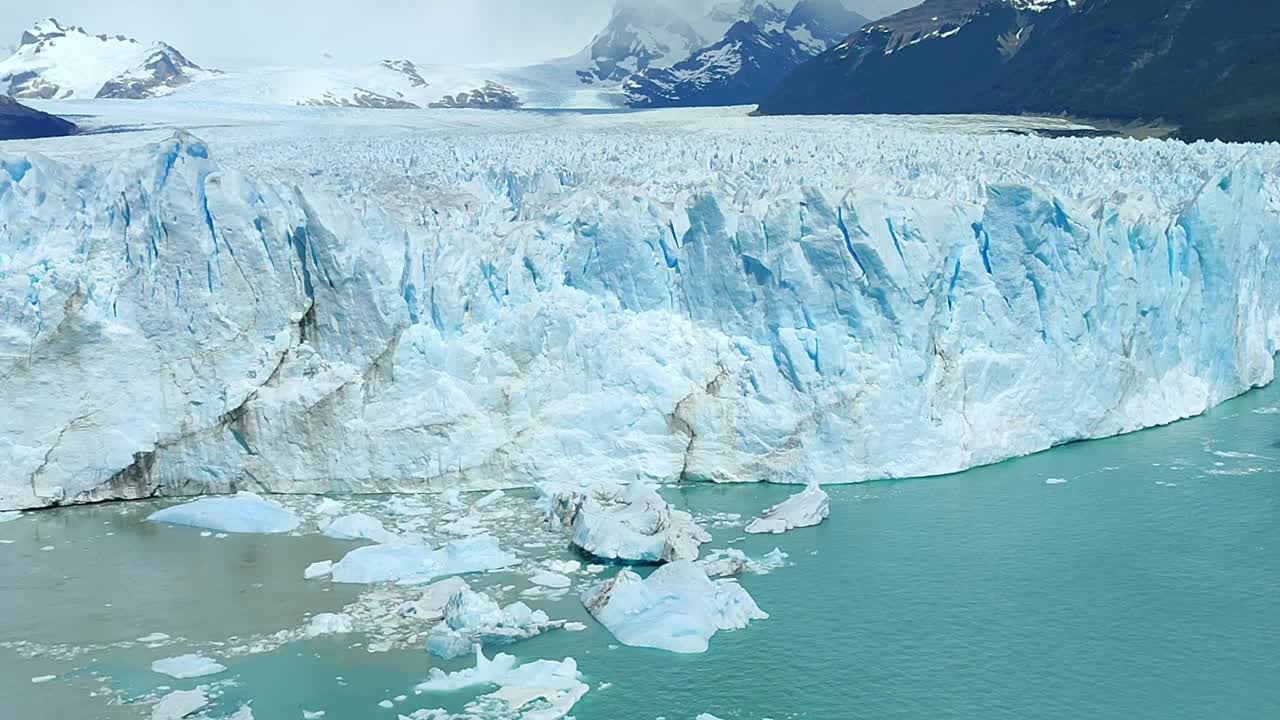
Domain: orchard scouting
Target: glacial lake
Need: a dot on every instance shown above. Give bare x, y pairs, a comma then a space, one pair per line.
1147, 585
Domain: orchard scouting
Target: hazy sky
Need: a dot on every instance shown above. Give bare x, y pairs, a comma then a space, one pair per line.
297, 31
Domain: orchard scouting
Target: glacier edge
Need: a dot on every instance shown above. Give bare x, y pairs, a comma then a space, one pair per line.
172, 325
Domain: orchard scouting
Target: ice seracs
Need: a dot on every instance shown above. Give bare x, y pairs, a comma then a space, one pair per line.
409, 564
630, 523
787, 313
245, 512
677, 608
804, 509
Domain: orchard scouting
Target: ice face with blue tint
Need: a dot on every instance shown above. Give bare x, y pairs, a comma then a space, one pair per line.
650, 297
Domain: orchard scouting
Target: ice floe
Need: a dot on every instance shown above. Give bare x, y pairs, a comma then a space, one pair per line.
804, 509
184, 667
405, 563
538, 690
329, 624
677, 608
244, 512
317, 570
179, 704
358, 526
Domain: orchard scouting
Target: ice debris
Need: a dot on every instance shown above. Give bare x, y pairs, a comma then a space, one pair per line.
243, 512
677, 608
474, 619
184, 667
804, 509
630, 523
329, 624
358, 526
409, 564
179, 704
317, 570
548, 689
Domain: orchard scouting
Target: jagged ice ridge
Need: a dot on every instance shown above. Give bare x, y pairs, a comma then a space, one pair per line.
630, 298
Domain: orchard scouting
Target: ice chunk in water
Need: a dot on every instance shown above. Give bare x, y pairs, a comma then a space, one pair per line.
184, 667
358, 526
419, 563
244, 512
677, 608
179, 704
804, 509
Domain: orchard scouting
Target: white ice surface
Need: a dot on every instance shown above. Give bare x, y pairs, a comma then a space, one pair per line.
677, 608
358, 526
420, 563
184, 667
244, 512
807, 508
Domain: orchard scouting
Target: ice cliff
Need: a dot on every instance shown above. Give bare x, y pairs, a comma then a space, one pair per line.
802, 302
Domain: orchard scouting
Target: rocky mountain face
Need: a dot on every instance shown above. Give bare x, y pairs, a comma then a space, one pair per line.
1130, 60
755, 53
58, 62
18, 122
490, 96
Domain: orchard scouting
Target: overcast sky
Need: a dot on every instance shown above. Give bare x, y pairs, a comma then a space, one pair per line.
219, 32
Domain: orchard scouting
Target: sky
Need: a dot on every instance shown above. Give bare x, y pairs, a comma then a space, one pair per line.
294, 32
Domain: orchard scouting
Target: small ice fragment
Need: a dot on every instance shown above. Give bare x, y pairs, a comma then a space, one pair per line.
184, 667
1055, 481
706, 716
328, 506
43, 679
358, 526
312, 714
154, 637
575, 626
400, 698
804, 509
329, 624
318, 570
179, 704
206, 533
550, 579
489, 499
386, 704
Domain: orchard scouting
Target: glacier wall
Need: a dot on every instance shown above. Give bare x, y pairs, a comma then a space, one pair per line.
503, 310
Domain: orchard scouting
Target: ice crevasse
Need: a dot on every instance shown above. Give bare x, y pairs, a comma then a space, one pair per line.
172, 325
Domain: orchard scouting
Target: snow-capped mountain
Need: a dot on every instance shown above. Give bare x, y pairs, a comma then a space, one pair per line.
18, 122
641, 34
1130, 60
58, 62
763, 44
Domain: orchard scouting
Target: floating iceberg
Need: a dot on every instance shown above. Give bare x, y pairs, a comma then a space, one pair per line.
317, 570
409, 564
473, 619
631, 523
179, 704
242, 513
804, 509
543, 689
184, 667
358, 526
677, 608
741, 303
430, 605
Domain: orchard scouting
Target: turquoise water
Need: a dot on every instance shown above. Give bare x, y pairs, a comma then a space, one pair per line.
1146, 586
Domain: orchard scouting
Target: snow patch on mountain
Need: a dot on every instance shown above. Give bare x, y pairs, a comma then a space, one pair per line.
56, 61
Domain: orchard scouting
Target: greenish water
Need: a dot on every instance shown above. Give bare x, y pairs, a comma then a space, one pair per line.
985, 595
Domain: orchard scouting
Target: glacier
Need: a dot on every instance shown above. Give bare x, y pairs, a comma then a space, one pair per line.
425, 304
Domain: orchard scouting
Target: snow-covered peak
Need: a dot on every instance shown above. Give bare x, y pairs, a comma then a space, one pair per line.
57, 61
638, 36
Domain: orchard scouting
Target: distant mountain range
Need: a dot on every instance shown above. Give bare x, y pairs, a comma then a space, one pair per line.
1208, 66
19, 122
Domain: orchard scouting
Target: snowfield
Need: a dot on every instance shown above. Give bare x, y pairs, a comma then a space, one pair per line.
342, 300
